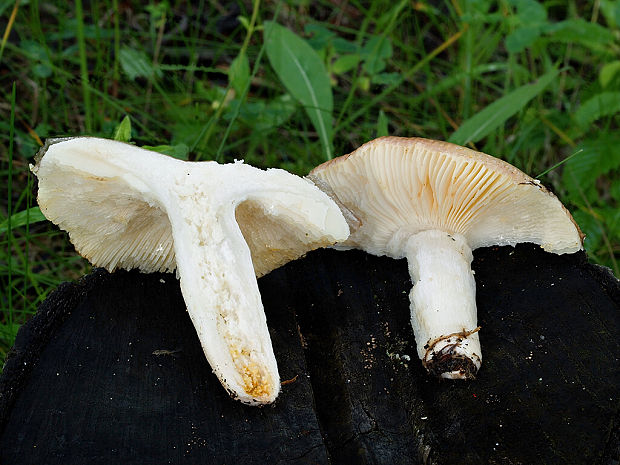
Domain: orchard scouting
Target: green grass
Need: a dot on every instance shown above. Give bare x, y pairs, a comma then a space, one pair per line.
535, 83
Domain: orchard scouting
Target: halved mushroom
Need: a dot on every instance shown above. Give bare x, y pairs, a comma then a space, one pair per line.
433, 203
218, 225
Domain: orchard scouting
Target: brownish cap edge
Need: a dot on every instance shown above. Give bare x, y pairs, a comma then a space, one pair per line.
448, 148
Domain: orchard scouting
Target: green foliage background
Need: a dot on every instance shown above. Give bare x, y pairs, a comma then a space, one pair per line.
292, 83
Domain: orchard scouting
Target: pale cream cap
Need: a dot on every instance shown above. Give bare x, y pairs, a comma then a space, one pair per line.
396, 187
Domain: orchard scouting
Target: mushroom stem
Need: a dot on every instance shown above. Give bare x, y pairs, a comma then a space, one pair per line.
223, 301
443, 304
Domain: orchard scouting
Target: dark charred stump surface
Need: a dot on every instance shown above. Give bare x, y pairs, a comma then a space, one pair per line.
110, 371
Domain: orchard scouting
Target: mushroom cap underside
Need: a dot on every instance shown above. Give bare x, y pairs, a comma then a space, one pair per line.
112, 221
396, 187
117, 220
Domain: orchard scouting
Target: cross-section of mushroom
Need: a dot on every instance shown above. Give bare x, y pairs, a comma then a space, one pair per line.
126, 207
433, 203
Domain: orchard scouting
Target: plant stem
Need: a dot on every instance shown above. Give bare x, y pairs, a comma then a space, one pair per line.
8, 28
9, 233
79, 13
246, 42
117, 44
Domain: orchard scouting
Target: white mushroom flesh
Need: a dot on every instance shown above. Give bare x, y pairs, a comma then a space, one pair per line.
126, 207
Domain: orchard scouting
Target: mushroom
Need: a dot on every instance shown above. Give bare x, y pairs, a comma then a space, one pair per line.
219, 225
433, 203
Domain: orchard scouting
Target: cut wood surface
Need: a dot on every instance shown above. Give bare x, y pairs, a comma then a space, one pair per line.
111, 371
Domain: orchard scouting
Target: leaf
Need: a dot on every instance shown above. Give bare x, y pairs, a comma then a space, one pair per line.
321, 36
611, 11
239, 74
42, 70
597, 157
591, 228
475, 11
4, 4
245, 22
532, 17
608, 72
41, 64
34, 50
157, 12
346, 63
521, 38
581, 31
382, 124
386, 78
29, 216
180, 151
496, 114
530, 11
375, 52
136, 64
302, 72
43, 130
603, 104
261, 115
363, 82
612, 221
122, 132
344, 46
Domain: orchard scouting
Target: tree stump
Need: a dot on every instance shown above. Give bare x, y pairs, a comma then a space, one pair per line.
110, 371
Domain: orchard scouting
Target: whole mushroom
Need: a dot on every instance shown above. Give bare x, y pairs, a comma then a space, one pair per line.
219, 225
433, 203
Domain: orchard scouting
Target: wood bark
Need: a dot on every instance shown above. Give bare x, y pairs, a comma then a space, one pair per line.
110, 371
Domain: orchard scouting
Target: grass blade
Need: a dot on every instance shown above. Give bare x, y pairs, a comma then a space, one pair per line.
25, 217
548, 170
8, 28
303, 73
496, 114
382, 124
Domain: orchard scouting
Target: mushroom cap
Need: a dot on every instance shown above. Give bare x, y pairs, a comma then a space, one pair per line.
396, 187
89, 187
